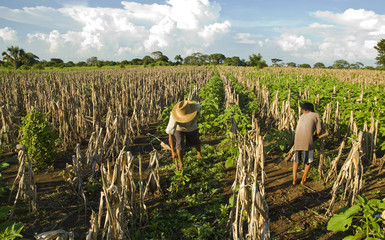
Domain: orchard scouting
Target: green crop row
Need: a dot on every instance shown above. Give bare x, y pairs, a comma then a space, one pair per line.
349, 96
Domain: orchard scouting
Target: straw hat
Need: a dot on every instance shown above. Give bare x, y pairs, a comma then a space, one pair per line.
184, 111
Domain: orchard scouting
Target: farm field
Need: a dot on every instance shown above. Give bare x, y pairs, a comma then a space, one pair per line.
113, 177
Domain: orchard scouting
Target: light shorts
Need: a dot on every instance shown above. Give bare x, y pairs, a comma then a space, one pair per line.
306, 156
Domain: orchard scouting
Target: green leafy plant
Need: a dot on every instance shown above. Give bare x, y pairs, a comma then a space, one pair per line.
165, 117
39, 137
278, 140
9, 230
179, 180
364, 218
212, 96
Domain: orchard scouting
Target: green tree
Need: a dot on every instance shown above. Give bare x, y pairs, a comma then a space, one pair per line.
81, 64
147, 60
380, 47
70, 64
216, 58
17, 56
304, 65
195, 59
357, 65
178, 59
136, 61
319, 65
234, 61
55, 62
256, 61
291, 64
340, 64
91, 61
158, 56
30, 59
276, 62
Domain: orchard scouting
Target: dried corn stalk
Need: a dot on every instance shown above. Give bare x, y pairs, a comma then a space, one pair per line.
118, 201
250, 200
27, 188
57, 234
332, 173
349, 179
153, 178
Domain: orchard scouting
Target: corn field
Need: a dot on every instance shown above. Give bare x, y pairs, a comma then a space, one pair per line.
99, 114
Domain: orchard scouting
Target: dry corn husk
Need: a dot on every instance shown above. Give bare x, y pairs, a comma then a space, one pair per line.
55, 235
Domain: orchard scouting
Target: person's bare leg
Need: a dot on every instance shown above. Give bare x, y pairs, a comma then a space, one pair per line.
180, 158
306, 172
173, 154
198, 148
295, 169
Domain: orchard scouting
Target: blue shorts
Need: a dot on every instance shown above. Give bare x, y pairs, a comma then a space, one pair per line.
306, 156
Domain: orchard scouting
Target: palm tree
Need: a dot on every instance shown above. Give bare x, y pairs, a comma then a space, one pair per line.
30, 59
17, 57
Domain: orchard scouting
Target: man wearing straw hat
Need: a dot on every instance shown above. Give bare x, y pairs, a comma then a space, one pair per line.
183, 124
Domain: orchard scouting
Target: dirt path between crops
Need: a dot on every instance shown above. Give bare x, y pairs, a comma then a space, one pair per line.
298, 212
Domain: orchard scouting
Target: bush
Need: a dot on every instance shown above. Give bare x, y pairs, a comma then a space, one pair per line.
38, 66
24, 67
39, 137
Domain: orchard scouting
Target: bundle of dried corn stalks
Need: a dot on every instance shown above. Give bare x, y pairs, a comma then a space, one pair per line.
153, 178
121, 202
349, 179
27, 188
249, 201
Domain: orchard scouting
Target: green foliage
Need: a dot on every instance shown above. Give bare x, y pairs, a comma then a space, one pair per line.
362, 217
212, 95
195, 208
9, 230
165, 117
278, 140
243, 120
178, 180
256, 61
346, 94
380, 47
39, 137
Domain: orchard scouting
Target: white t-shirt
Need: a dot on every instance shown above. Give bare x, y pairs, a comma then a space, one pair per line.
183, 127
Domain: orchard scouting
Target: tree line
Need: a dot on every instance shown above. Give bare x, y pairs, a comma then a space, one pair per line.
17, 58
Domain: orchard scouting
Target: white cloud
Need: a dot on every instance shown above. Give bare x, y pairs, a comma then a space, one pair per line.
349, 35
136, 29
355, 18
245, 38
320, 26
210, 32
291, 42
353, 36
8, 34
160, 35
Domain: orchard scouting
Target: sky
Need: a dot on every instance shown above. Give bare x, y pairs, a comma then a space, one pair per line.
299, 31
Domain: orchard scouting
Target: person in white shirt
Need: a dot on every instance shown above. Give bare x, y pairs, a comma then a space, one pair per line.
183, 124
